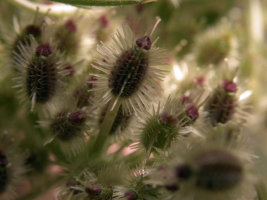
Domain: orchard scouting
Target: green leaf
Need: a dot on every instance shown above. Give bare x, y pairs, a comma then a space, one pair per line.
103, 2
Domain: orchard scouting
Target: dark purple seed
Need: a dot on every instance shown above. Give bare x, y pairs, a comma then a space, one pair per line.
172, 187
33, 30
139, 8
103, 21
41, 80
192, 111
218, 171
128, 72
71, 26
44, 50
78, 117
144, 43
130, 195
93, 189
183, 171
168, 120
229, 86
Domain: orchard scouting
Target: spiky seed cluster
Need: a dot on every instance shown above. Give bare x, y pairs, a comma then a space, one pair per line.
130, 75
217, 45
66, 37
222, 105
159, 129
66, 126
24, 37
40, 74
218, 171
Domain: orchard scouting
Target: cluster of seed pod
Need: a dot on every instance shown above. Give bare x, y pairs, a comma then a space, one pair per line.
187, 142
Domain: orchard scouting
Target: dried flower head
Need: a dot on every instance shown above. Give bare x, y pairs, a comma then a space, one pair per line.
129, 68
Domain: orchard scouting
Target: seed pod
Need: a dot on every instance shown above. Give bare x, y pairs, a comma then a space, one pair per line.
160, 128
129, 72
218, 171
223, 103
67, 37
40, 72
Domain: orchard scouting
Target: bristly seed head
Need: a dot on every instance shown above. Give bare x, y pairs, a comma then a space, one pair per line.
41, 79
128, 73
44, 50
192, 111
218, 171
144, 43
130, 195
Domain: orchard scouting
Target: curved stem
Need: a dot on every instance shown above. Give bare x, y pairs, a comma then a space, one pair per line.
107, 124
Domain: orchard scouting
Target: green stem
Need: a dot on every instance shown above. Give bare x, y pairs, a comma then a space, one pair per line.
107, 125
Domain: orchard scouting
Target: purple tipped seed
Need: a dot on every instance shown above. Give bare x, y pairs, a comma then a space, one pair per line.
192, 111
130, 195
167, 119
78, 117
183, 171
44, 50
144, 43
94, 190
229, 86
71, 26
218, 171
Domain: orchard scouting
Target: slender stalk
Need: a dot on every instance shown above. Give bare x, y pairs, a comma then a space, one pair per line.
107, 125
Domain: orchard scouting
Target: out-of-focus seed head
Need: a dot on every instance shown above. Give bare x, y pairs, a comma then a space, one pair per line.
183, 171
218, 171
130, 195
172, 187
222, 104
103, 21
